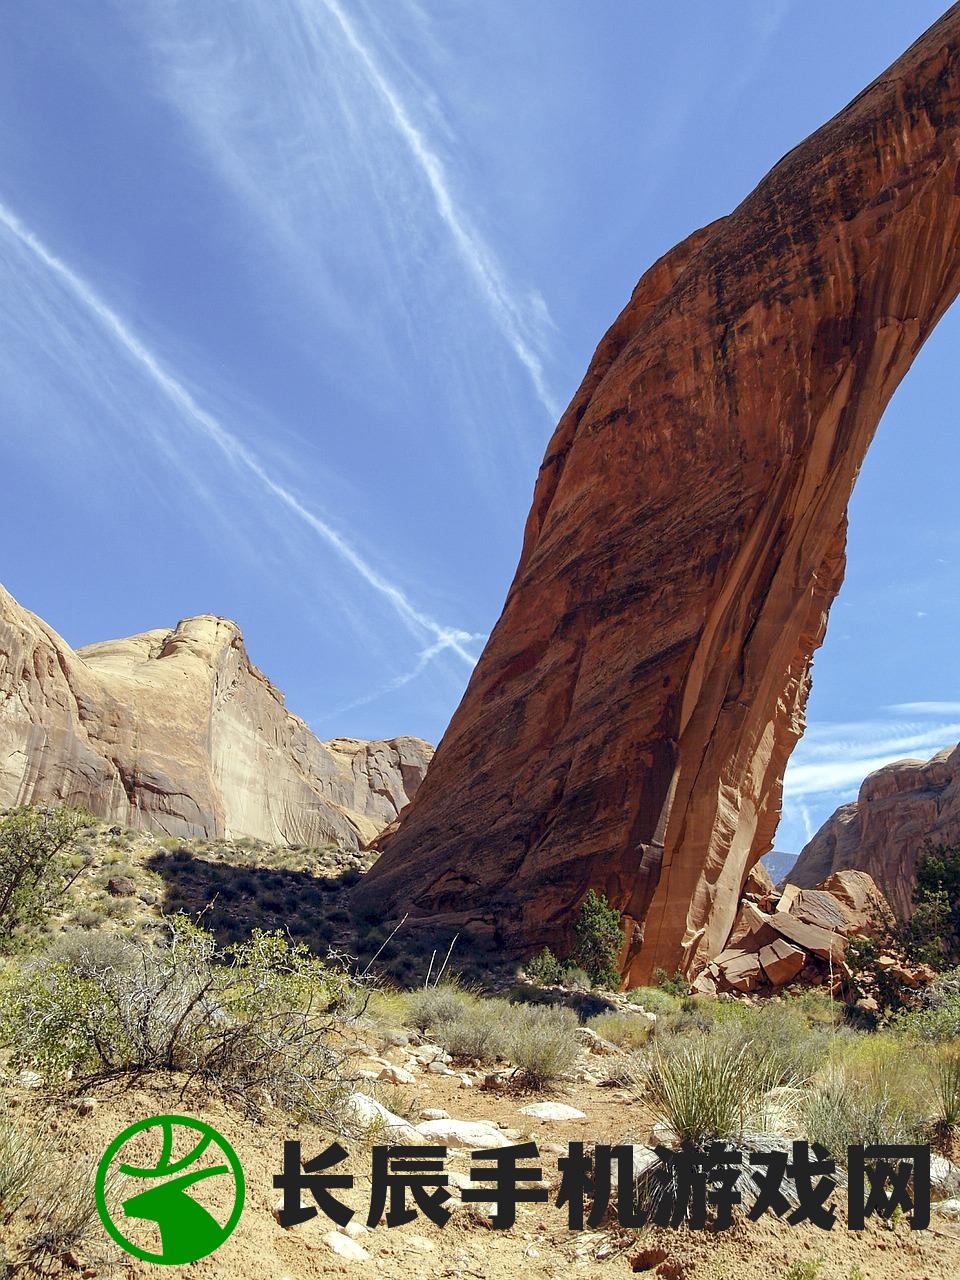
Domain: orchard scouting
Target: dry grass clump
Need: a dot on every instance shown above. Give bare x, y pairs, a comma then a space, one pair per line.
540, 1041
627, 1031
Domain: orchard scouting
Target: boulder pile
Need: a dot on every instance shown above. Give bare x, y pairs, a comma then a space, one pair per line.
800, 935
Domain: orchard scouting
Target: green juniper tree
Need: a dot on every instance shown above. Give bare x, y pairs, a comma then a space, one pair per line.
599, 938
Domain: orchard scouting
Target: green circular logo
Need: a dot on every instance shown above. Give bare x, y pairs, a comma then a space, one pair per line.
180, 1154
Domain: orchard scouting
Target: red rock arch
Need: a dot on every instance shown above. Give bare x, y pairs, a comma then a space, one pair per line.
630, 719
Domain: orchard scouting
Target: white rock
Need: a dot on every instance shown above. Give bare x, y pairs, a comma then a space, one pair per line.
397, 1075
553, 1111
467, 1082
28, 1080
421, 1243
644, 1158
474, 1134
434, 1113
944, 1176
949, 1208
354, 1229
439, 1068
370, 1114
663, 1135
345, 1247
594, 1043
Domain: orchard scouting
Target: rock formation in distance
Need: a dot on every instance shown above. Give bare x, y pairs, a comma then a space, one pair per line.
176, 731
883, 831
629, 721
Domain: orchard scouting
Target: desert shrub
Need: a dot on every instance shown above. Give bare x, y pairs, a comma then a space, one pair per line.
259, 1020
598, 940
808, 1269
431, 1007
476, 1032
938, 1019
704, 1091
575, 978
777, 1038
653, 999
91, 955
544, 969
65, 1221
842, 1111
817, 1006
34, 871
626, 1030
691, 1017
540, 1041
675, 986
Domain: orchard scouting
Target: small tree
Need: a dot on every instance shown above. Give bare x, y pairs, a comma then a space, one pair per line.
34, 873
544, 969
599, 938
933, 930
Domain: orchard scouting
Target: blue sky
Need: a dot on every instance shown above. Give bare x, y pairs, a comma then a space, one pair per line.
294, 291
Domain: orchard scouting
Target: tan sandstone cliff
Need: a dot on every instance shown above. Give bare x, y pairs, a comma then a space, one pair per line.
883, 831
177, 731
629, 721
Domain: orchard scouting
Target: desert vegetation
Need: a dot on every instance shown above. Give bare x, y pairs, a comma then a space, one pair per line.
236, 975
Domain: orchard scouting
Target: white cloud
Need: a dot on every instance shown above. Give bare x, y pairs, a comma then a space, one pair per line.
926, 708
205, 423
476, 255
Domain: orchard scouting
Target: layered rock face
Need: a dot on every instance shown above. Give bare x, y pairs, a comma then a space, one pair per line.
178, 732
883, 831
629, 721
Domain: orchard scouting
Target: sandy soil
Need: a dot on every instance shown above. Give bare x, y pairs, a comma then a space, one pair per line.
540, 1245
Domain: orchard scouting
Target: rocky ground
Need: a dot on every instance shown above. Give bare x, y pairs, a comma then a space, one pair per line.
404, 1079
540, 1243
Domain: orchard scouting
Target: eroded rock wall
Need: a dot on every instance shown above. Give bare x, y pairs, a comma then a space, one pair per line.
177, 731
629, 721
883, 831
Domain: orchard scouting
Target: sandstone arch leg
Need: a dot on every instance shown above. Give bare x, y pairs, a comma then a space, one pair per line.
629, 721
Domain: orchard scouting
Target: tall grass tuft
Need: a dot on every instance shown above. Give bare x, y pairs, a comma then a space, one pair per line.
706, 1090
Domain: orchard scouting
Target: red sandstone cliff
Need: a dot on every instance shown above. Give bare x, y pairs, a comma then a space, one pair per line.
883, 831
629, 721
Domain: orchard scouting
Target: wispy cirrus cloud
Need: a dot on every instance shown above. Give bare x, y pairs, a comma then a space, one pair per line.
832, 759
475, 253
331, 139
207, 425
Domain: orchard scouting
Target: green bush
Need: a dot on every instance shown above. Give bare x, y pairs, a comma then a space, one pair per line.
540, 1040
544, 969
599, 939
653, 999
34, 867
777, 1038
257, 1020
842, 1112
675, 986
